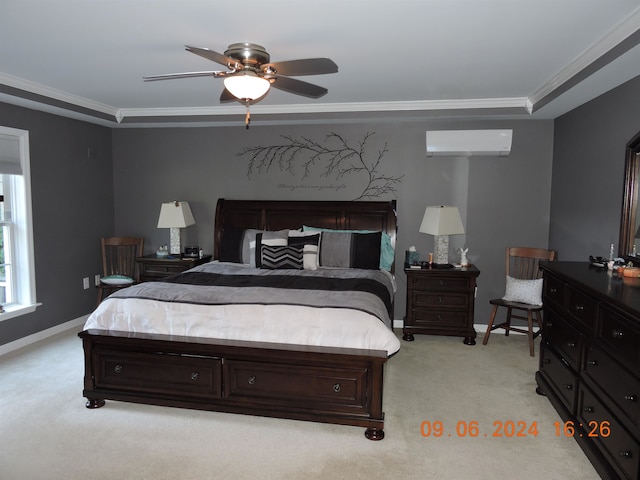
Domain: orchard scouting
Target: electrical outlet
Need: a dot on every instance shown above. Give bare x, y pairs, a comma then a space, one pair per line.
97, 280
85, 283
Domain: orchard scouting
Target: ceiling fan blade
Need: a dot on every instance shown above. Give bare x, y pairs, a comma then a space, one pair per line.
169, 76
213, 56
308, 66
298, 87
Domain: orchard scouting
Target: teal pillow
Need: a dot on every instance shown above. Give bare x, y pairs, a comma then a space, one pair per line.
387, 253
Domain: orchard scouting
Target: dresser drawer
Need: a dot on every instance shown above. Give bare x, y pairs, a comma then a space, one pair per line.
554, 292
436, 300
617, 383
608, 434
337, 388
171, 375
565, 339
620, 337
560, 377
582, 308
445, 283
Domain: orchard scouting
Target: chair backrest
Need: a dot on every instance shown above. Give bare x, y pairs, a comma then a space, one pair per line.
524, 262
119, 255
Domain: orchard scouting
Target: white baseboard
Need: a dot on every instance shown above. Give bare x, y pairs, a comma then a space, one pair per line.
42, 335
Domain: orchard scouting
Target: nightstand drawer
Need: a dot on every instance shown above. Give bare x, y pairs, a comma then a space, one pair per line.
444, 300
432, 282
439, 320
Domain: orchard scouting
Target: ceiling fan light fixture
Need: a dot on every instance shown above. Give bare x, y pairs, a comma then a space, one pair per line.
246, 85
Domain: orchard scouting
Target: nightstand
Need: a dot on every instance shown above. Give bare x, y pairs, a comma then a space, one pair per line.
440, 302
153, 267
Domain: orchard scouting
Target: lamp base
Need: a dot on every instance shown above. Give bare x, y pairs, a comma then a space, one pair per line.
174, 241
441, 249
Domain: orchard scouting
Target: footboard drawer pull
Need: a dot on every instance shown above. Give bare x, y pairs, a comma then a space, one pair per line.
336, 387
194, 376
251, 380
117, 368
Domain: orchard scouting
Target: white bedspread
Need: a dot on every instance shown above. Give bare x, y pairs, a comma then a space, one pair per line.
291, 324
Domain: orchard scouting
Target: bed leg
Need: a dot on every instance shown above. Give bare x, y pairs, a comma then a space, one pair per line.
95, 403
374, 433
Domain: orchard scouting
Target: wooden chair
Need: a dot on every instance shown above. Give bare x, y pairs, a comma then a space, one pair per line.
119, 269
521, 263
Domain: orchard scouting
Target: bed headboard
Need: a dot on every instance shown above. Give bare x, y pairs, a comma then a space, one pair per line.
278, 215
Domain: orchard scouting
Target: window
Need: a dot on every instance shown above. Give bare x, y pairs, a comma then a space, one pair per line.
17, 269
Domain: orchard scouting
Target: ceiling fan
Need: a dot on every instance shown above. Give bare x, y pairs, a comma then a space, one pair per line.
251, 74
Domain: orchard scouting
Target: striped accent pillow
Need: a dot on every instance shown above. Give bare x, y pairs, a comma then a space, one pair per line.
280, 257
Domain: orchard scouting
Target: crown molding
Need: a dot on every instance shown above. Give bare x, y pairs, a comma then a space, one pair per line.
617, 42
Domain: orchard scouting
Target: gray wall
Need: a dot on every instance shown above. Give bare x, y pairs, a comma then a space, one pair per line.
588, 171
72, 199
503, 200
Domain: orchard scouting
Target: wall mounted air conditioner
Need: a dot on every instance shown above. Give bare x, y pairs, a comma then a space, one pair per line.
469, 142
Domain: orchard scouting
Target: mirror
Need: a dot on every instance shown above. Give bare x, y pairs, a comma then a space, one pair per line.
629, 218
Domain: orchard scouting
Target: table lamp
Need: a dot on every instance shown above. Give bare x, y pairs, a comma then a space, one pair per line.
441, 221
174, 216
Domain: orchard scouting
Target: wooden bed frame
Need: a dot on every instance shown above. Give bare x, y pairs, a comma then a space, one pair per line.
321, 384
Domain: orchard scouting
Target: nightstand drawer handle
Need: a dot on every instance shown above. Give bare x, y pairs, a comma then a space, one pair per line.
336, 388
440, 300
615, 333
194, 376
251, 380
117, 368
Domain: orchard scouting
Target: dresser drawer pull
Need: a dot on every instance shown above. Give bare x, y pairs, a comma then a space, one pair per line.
251, 380
615, 333
625, 453
588, 409
442, 283
569, 386
194, 376
440, 300
592, 363
336, 387
117, 368
547, 361
579, 307
571, 344
631, 397
553, 290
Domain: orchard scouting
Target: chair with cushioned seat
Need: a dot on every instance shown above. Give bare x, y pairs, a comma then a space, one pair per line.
523, 292
119, 268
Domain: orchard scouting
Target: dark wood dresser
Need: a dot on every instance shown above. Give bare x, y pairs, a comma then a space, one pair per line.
590, 362
441, 302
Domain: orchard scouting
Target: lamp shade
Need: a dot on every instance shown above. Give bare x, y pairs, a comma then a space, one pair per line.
175, 215
246, 85
441, 220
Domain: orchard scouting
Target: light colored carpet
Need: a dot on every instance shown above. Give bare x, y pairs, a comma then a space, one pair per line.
47, 433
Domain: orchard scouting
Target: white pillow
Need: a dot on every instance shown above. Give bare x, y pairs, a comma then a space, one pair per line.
523, 291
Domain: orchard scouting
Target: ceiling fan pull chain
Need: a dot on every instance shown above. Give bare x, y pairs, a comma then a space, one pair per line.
247, 119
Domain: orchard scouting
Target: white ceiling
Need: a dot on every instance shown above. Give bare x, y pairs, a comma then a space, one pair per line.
397, 59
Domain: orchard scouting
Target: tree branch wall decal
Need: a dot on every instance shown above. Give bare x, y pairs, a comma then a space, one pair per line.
336, 157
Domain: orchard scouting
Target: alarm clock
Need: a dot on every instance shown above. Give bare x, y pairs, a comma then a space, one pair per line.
193, 251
